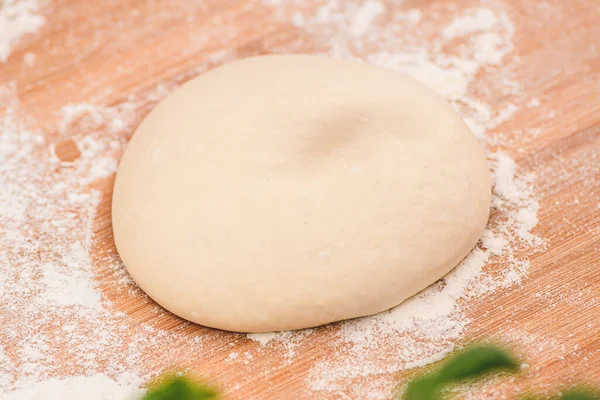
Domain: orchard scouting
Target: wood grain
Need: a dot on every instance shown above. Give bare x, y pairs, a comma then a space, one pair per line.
104, 52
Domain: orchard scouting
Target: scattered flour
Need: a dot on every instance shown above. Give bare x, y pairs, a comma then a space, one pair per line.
480, 20
54, 282
18, 18
365, 16
48, 275
69, 285
95, 387
29, 59
264, 338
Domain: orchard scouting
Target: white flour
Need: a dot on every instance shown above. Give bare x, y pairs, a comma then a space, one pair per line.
95, 387
54, 279
365, 16
18, 18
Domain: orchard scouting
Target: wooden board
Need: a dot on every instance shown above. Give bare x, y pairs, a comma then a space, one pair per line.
107, 51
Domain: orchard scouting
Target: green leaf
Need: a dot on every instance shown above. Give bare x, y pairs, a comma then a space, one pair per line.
180, 388
580, 394
476, 361
423, 388
468, 364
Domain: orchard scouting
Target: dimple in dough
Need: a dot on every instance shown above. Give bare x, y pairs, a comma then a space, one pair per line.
290, 191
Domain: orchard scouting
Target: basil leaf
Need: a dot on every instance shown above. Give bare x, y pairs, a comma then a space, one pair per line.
476, 361
468, 364
580, 394
180, 388
423, 388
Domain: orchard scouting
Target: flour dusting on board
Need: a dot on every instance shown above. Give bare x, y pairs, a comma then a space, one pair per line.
48, 276
18, 18
95, 387
69, 294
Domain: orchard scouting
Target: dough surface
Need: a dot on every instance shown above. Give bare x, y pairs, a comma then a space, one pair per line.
290, 191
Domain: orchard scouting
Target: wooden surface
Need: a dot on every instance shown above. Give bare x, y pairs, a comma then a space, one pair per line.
107, 51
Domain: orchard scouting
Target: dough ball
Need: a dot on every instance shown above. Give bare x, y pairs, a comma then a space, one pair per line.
290, 191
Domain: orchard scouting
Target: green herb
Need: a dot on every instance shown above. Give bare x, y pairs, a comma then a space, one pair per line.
423, 388
469, 364
180, 388
476, 361
580, 394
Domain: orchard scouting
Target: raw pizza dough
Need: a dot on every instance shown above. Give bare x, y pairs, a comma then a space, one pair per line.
289, 191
